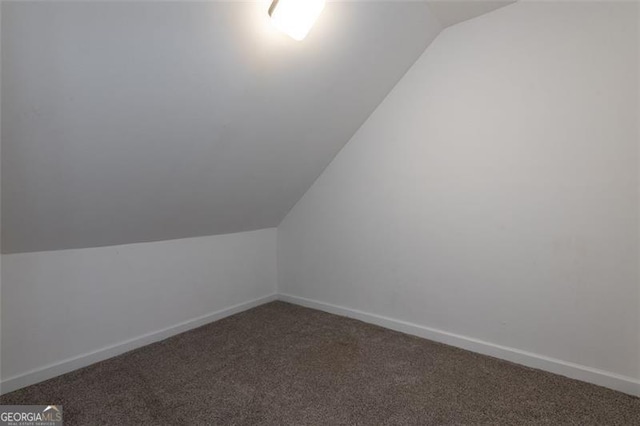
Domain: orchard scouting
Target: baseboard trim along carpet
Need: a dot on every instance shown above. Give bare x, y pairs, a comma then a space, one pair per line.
52, 370
568, 369
575, 371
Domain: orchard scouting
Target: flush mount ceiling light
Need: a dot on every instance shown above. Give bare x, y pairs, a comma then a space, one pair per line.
295, 17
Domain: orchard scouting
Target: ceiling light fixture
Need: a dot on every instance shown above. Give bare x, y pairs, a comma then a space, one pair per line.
295, 17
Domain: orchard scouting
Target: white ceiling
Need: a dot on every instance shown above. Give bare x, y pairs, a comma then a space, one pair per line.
450, 12
140, 121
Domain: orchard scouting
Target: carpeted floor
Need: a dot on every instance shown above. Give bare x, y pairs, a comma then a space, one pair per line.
281, 364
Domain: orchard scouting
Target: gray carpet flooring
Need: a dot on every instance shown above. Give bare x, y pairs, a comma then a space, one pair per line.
281, 364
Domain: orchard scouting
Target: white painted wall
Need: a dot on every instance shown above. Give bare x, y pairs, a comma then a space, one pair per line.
494, 193
97, 302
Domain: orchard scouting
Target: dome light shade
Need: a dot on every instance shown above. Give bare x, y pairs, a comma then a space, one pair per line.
295, 17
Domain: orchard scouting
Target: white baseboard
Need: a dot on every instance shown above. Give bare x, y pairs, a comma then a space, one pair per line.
575, 371
568, 369
70, 364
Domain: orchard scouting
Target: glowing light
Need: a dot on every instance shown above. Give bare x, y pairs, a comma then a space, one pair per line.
295, 17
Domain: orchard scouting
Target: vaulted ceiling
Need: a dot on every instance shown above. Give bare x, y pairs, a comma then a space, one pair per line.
141, 121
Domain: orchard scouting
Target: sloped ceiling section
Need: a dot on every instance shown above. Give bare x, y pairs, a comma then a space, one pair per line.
127, 122
450, 12
138, 121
